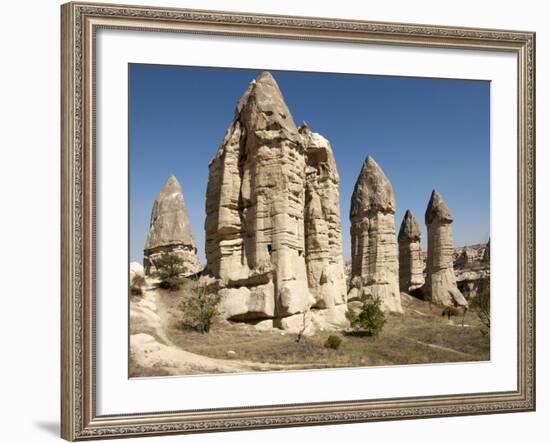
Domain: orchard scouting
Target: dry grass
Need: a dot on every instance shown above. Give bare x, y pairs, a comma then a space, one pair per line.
421, 335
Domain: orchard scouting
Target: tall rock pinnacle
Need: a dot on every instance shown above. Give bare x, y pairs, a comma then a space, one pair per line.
322, 223
373, 191
440, 287
169, 230
411, 264
256, 228
373, 256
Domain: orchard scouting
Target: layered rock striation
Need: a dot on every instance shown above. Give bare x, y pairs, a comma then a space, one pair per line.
323, 230
273, 243
170, 230
440, 287
411, 262
373, 241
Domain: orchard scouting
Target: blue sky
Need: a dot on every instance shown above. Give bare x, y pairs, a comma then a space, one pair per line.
424, 133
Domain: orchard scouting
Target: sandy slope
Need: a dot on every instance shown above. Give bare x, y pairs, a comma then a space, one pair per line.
151, 351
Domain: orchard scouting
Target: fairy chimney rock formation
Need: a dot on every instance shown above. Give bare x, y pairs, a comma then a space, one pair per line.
440, 287
411, 263
322, 224
273, 243
170, 231
374, 251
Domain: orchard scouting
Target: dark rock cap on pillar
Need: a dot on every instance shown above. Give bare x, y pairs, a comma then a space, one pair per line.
437, 210
373, 191
410, 229
169, 218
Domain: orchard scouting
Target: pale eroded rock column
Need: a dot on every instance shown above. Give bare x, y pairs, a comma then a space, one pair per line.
273, 233
374, 248
170, 230
411, 263
254, 225
322, 228
440, 287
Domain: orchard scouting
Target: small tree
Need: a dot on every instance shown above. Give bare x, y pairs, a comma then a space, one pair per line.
169, 271
136, 284
482, 304
200, 308
449, 311
333, 342
370, 319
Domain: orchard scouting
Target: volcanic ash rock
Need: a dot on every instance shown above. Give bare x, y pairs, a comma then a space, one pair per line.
411, 262
473, 269
256, 246
323, 230
170, 231
374, 259
440, 287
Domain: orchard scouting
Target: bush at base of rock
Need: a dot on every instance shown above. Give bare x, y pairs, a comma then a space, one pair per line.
169, 271
200, 308
370, 320
333, 342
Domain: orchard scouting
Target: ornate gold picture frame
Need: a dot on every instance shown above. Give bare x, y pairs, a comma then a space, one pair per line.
80, 22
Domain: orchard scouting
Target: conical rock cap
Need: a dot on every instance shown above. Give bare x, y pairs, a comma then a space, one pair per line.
437, 210
410, 229
169, 219
373, 191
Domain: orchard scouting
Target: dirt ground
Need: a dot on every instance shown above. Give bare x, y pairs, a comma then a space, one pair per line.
420, 335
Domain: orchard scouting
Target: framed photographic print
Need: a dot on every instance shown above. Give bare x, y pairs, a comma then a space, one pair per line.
284, 221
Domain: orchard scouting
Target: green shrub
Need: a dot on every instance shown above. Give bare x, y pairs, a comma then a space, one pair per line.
450, 311
136, 284
370, 319
169, 269
333, 342
200, 308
